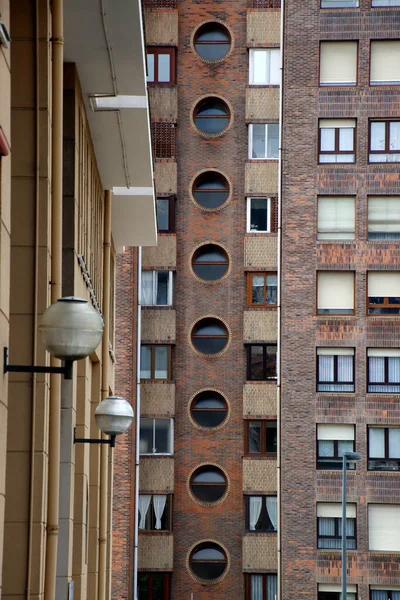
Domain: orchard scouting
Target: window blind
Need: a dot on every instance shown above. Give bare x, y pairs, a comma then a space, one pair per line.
338, 63
331, 587
385, 62
337, 123
334, 431
334, 509
384, 214
394, 352
336, 217
384, 283
335, 290
384, 527
335, 351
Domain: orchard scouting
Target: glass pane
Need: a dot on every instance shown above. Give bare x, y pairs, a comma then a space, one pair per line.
326, 448
270, 367
162, 288
211, 181
212, 32
272, 289
209, 476
257, 289
208, 570
345, 446
209, 400
211, 199
376, 442
209, 418
394, 132
145, 362
256, 363
162, 214
327, 139
326, 526
212, 107
210, 272
376, 365
273, 141
211, 254
256, 585
211, 125
143, 586
147, 288
394, 443
394, 368
271, 437
258, 149
259, 66
146, 436
208, 552
212, 51
346, 139
161, 362
325, 368
208, 493
209, 345
275, 64
210, 327
258, 214
150, 68
164, 68
158, 586
377, 141
162, 436
345, 368
255, 436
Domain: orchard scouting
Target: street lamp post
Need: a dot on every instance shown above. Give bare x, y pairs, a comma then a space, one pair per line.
347, 457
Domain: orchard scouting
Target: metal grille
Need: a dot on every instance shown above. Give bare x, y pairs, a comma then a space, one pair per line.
163, 140
274, 215
160, 3
264, 3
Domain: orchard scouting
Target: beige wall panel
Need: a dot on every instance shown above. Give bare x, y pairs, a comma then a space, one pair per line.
259, 399
3, 446
260, 326
23, 89
156, 475
38, 557
5, 187
260, 552
5, 92
263, 27
163, 102
157, 399
18, 488
21, 345
23, 261
14, 560
161, 256
42, 415
262, 103
259, 475
166, 178
158, 325
261, 252
161, 27
23, 143
4, 270
261, 178
156, 552
19, 427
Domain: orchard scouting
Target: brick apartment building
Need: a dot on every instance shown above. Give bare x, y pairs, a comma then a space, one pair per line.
239, 489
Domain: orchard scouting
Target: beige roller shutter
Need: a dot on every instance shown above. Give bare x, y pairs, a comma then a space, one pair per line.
335, 290
384, 527
336, 217
338, 63
337, 123
334, 510
384, 214
385, 62
335, 431
384, 352
335, 351
384, 283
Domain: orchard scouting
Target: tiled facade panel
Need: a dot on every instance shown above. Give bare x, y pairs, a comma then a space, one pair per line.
303, 180
165, 177
161, 27
260, 251
259, 400
162, 256
157, 399
262, 104
263, 28
158, 325
156, 552
259, 550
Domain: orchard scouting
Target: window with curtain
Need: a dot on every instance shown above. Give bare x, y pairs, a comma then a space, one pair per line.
380, 594
384, 292
332, 441
157, 288
335, 370
337, 140
383, 370
383, 448
262, 289
384, 527
336, 218
263, 141
155, 362
154, 586
384, 217
329, 526
156, 436
261, 586
335, 292
261, 437
338, 63
155, 512
384, 141
261, 513
385, 62
264, 66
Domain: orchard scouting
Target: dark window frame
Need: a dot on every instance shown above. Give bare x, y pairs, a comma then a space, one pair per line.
199, 32
171, 214
263, 437
223, 485
163, 50
388, 591
332, 595
335, 376
387, 460
340, 7
386, 306
151, 516
196, 262
151, 575
203, 176
170, 451
322, 464
387, 139
196, 336
249, 363
208, 117
338, 533
152, 378
224, 409
220, 549
265, 576
337, 150
386, 381
263, 515
265, 274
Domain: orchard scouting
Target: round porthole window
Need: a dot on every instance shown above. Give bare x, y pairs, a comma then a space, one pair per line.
208, 561
212, 41
208, 484
210, 262
210, 190
211, 115
209, 409
209, 336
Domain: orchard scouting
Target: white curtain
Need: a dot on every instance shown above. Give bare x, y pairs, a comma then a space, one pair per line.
345, 368
144, 503
147, 288
272, 587
376, 442
394, 443
379, 595
376, 369
272, 509
394, 370
159, 502
256, 587
325, 368
255, 504
326, 531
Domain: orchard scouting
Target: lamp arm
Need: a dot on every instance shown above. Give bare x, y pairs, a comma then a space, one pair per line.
110, 441
66, 370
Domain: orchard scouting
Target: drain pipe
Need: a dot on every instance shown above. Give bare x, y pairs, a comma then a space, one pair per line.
137, 422
279, 301
57, 43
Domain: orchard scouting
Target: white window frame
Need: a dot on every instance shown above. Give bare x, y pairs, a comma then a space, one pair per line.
248, 213
154, 291
253, 52
250, 153
171, 434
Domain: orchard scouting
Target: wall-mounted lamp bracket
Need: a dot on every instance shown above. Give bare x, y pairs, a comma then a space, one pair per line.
110, 441
66, 370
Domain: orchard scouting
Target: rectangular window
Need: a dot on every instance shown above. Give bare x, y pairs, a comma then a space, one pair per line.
166, 214
384, 527
384, 218
377, 3
263, 141
385, 62
154, 586
259, 215
262, 289
261, 513
338, 63
339, 3
155, 362
261, 362
155, 512
384, 141
335, 370
160, 64
261, 586
384, 293
337, 140
157, 288
384, 449
329, 591
329, 526
335, 292
336, 218
332, 440
261, 438
264, 66
383, 370
378, 593
156, 436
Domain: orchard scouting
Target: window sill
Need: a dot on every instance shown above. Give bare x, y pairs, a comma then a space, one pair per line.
263, 306
274, 86
263, 160
156, 532
261, 533
157, 306
156, 455
261, 456
262, 382
161, 381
